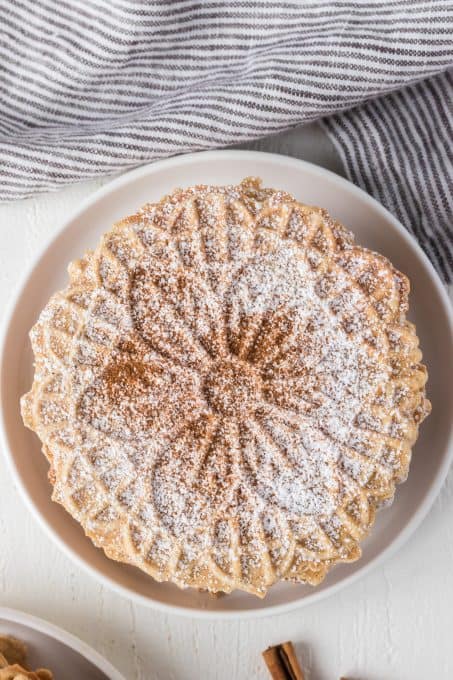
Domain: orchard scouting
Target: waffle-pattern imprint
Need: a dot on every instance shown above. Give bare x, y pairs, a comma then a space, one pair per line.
228, 389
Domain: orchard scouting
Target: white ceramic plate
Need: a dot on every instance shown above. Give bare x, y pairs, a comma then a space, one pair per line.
51, 647
373, 226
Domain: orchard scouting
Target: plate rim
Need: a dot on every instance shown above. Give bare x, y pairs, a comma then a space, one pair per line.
111, 186
61, 635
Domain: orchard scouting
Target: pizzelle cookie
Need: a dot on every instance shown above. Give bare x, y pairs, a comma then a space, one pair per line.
228, 389
13, 657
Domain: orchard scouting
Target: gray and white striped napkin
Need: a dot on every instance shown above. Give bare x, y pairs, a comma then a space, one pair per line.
90, 87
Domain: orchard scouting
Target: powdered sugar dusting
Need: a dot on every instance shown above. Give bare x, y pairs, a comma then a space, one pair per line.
225, 384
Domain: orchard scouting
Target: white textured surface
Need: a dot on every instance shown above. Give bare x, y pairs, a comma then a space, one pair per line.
395, 624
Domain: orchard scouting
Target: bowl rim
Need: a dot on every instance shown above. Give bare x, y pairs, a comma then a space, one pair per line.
61, 635
417, 517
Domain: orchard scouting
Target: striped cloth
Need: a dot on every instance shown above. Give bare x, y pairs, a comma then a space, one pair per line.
399, 148
90, 87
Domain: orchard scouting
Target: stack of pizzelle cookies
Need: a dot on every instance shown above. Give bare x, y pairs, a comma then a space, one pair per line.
13, 662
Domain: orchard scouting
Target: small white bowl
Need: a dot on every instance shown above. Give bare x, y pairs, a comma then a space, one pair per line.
51, 647
374, 227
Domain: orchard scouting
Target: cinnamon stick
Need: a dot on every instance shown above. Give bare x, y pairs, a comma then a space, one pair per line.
282, 662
